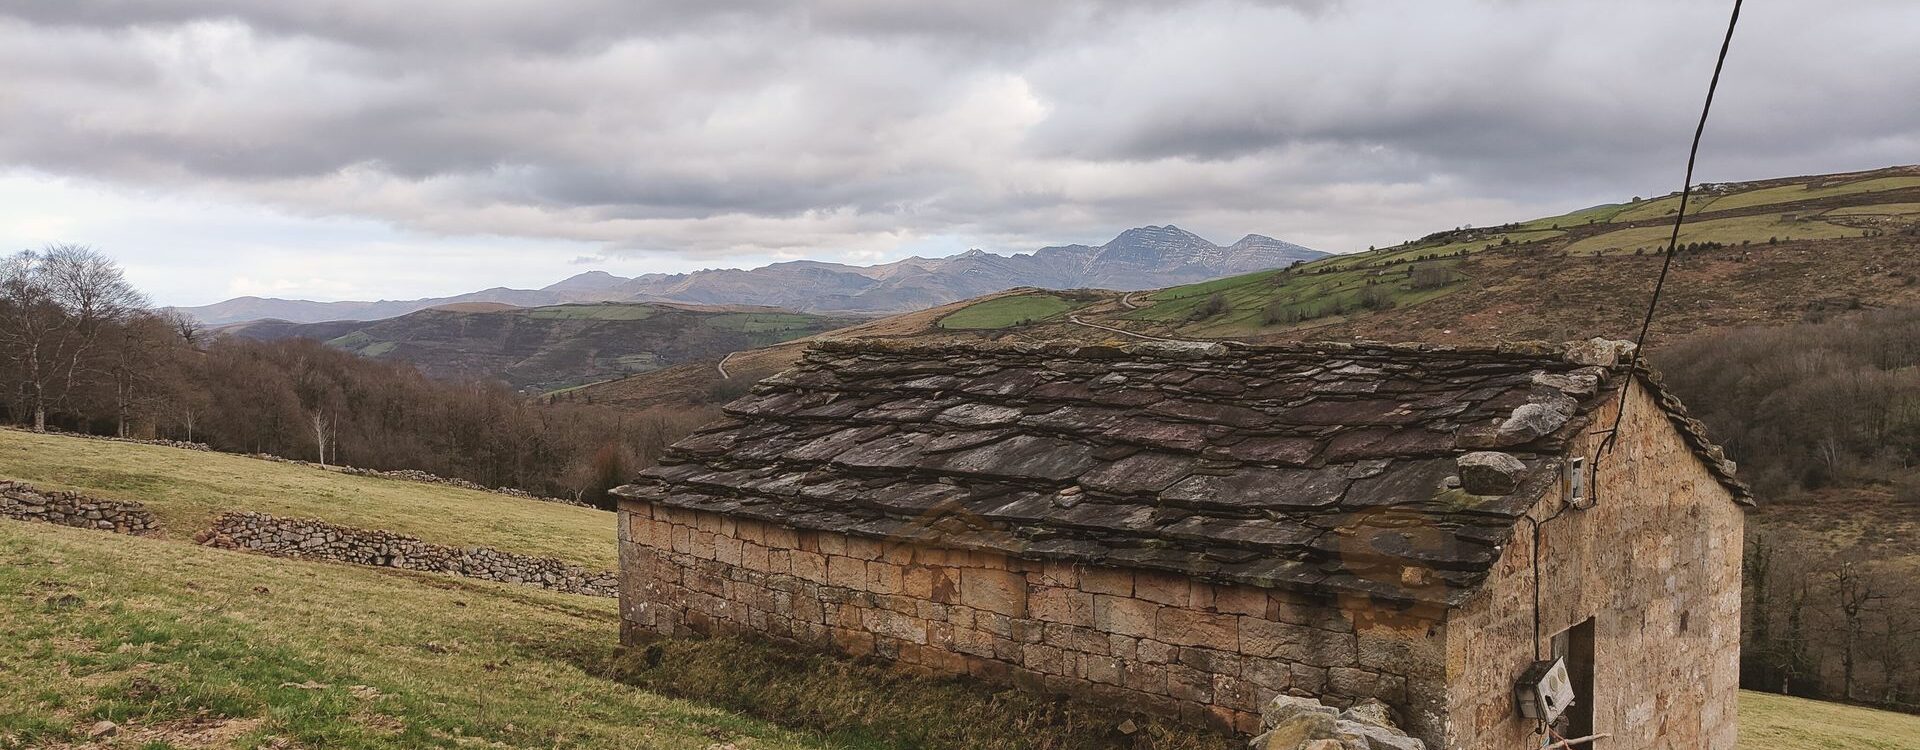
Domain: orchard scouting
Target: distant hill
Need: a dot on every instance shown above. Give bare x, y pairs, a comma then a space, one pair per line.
554, 346
1764, 252
1143, 258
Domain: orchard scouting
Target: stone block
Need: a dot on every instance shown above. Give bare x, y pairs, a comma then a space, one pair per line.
1069, 606
1109, 581
1184, 627
1163, 588
884, 578
1125, 615
809, 566
863, 548
997, 591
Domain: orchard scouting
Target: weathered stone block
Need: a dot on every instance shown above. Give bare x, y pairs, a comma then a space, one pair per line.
1070, 606
1183, 627
997, 591
1125, 616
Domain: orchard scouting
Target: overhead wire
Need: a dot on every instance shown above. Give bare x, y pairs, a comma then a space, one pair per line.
1634, 363
1673, 241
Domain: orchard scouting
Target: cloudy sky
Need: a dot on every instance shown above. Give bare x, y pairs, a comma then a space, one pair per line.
351, 149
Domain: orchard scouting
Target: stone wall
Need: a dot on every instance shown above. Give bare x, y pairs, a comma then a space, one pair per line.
312, 538
22, 502
1656, 564
405, 475
1153, 642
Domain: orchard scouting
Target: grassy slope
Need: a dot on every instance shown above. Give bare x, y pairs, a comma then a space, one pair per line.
195, 647
186, 489
1840, 209
1003, 312
1773, 722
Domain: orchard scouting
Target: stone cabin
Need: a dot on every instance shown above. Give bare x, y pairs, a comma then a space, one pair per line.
1195, 529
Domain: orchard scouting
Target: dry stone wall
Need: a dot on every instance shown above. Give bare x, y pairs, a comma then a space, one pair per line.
22, 502
1147, 641
313, 538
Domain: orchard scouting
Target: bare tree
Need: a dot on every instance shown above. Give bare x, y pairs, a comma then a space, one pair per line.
1857, 590
53, 305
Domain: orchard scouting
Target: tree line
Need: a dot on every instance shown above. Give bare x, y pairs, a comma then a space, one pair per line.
82, 350
1824, 418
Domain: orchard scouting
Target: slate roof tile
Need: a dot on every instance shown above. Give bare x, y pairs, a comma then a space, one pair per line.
1316, 467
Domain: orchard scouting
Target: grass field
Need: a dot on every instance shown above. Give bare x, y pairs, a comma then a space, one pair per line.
191, 647
1774, 722
612, 311
186, 489
1285, 303
762, 322
1304, 298
1730, 231
1003, 312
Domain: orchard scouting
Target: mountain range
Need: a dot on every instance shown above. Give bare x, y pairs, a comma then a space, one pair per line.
1142, 258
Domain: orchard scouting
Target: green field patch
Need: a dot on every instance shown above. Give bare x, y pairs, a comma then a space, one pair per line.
1305, 295
638, 362
167, 638
593, 312
1882, 209
1790, 193
762, 322
359, 342
1004, 312
1663, 208
1205, 288
351, 342
1600, 214
1729, 231
187, 489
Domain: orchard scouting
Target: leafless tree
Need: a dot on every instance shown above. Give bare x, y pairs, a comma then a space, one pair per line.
54, 303
1857, 590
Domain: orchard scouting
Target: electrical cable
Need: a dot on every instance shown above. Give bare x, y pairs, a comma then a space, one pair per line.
1673, 242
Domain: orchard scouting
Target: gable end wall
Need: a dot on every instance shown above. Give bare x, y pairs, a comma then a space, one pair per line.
1657, 564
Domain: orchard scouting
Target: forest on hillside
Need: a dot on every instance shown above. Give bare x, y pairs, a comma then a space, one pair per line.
1824, 418
81, 350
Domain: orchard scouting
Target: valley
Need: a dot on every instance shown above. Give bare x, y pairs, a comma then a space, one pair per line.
539, 349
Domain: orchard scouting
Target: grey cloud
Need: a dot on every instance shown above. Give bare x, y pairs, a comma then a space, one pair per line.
742, 125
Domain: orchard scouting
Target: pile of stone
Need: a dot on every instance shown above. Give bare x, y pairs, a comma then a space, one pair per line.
1293, 723
313, 538
22, 502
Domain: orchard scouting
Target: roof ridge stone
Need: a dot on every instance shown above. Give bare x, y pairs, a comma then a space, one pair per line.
1591, 352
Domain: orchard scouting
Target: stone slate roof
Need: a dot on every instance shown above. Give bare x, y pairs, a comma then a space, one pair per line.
1318, 467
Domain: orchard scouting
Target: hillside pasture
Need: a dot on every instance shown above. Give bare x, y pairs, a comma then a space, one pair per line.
1808, 191
187, 489
1006, 312
185, 646
598, 311
1757, 228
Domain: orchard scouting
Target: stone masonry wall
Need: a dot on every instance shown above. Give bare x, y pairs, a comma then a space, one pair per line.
1152, 642
1656, 564
312, 538
22, 502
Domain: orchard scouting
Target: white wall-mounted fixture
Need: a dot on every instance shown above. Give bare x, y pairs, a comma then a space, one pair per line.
1577, 483
1544, 691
